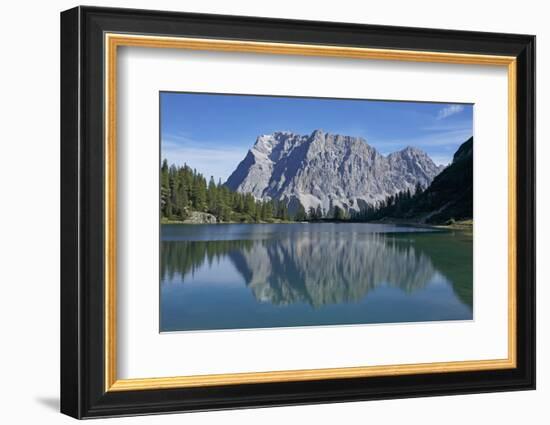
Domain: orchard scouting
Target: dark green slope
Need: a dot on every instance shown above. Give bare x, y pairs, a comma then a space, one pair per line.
450, 196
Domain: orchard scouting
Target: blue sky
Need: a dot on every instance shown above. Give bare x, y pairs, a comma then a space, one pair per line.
213, 133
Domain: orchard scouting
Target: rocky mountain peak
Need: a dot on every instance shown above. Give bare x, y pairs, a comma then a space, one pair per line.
411, 150
317, 134
327, 170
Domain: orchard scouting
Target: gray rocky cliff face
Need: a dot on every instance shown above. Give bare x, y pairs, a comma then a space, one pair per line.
196, 217
324, 169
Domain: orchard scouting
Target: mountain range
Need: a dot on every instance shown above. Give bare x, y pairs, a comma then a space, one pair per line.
328, 170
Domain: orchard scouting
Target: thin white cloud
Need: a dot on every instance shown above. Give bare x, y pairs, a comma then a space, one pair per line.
425, 141
208, 160
448, 111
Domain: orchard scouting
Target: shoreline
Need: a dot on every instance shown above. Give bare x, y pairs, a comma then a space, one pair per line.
467, 224
163, 221
457, 225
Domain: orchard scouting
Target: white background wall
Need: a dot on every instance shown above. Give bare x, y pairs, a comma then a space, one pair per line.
29, 221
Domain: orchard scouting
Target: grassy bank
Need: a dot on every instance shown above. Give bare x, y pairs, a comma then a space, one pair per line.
451, 224
458, 225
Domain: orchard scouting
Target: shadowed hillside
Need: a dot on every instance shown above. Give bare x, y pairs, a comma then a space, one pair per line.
450, 196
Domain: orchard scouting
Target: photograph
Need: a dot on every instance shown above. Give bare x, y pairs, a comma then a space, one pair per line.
284, 211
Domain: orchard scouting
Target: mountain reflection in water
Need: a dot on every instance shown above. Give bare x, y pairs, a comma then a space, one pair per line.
319, 267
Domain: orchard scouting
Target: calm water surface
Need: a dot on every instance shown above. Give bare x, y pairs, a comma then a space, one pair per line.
235, 276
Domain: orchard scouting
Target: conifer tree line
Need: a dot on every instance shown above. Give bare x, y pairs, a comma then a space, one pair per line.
397, 205
184, 190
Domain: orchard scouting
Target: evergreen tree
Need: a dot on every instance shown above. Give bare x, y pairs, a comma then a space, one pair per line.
282, 211
339, 213
180, 199
199, 193
168, 208
319, 212
330, 212
418, 189
164, 187
258, 211
249, 205
300, 214
267, 211
212, 195
164, 174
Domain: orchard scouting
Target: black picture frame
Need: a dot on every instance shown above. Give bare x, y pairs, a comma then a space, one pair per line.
83, 392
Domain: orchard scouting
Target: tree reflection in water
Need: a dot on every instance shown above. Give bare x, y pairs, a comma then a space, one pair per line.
321, 268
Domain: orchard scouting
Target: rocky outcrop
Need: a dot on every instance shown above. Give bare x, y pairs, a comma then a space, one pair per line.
196, 217
328, 170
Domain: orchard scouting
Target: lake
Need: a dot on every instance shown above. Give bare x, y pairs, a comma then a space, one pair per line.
239, 276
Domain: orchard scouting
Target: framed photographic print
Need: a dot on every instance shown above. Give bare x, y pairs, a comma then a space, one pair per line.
261, 212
